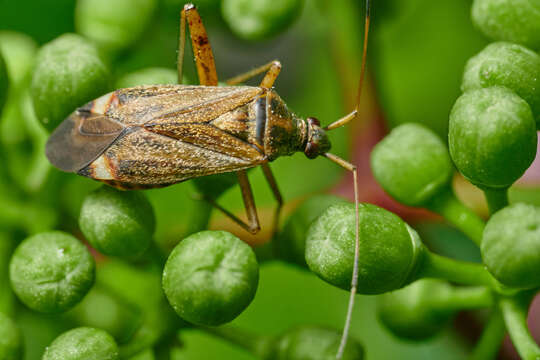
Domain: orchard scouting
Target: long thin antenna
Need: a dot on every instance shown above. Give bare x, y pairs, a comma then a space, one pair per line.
344, 120
354, 281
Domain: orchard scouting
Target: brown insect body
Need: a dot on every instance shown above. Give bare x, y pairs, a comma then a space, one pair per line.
154, 136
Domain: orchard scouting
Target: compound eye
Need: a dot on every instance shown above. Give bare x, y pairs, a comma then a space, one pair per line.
313, 121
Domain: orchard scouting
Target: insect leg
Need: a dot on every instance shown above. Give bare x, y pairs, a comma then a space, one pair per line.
204, 58
277, 194
272, 68
252, 225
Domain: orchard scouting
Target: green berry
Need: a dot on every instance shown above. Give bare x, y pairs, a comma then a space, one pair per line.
82, 343
492, 136
412, 164
510, 65
104, 309
19, 52
510, 20
148, 76
390, 250
314, 343
51, 272
511, 246
113, 25
255, 20
11, 347
291, 241
117, 223
412, 312
68, 74
210, 277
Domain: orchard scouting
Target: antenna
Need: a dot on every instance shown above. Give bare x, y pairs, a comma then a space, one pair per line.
346, 165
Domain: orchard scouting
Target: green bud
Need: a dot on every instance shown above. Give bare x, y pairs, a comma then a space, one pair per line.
412, 164
314, 343
210, 277
11, 347
255, 20
104, 309
51, 272
510, 65
492, 136
4, 82
412, 312
390, 250
82, 343
68, 74
510, 20
511, 245
148, 76
113, 25
291, 241
117, 223
19, 52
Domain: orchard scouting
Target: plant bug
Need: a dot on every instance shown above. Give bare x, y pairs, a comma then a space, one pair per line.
159, 135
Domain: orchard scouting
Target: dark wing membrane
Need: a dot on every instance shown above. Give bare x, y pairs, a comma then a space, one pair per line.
145, 158
80, 139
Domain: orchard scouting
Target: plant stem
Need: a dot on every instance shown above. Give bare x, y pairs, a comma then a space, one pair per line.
453, 210
488, 346
496, 199
462, 272
468, 298
256, 344
514, 311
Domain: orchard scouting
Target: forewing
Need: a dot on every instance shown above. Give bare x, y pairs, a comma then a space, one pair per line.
172, 104
80, 139
145, 158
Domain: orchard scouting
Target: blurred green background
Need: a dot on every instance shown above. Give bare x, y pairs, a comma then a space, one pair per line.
417, 52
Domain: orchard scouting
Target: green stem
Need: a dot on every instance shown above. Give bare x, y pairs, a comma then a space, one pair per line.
468, 298
488, 346
496, 199
256, 344
447, 205
515, 316
462, 272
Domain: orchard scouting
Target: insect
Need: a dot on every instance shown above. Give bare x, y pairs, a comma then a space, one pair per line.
155, 136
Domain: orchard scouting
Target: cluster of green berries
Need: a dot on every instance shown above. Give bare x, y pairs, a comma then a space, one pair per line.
210, 277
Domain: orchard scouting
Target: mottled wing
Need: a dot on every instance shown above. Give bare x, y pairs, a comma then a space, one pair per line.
224, 123
141, 158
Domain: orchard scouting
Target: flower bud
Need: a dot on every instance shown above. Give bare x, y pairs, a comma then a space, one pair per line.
210, 277
82, 343
511, 245
51, 272
412, 164
68, 73
255, 20
510, 65
11, 344
492, 136
389, 250
314, 343
118, 223
113, 25
510, 20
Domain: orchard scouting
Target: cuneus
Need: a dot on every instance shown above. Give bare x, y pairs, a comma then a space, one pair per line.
154, 136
